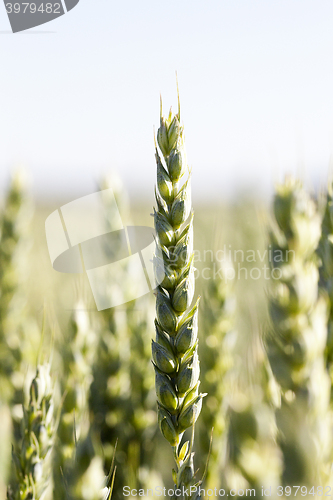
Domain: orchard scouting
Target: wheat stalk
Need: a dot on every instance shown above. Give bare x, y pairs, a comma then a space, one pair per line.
297, 341
174, 351
33, 458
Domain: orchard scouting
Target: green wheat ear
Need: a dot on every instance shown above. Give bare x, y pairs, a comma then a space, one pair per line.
297, 341
78, 355
5, 448
217, 363
325, 252
110, 394
175, 349
33, 458
254, 460
87, 480
14, 223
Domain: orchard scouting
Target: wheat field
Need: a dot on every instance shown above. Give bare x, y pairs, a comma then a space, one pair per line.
79, 417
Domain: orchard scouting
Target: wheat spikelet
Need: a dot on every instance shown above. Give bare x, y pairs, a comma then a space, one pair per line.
297, 340
175, 350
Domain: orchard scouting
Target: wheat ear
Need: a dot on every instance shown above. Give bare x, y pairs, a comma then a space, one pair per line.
143, 444
13, 231
297, 340
87, 480
216, 364
174, 350
325, 252
5, 448
33, 458
110, 395
78, 355
254, 460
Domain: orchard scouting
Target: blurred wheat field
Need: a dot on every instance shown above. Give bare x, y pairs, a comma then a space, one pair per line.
90, 424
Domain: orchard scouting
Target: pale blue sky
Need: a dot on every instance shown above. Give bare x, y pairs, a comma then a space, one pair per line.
256, 82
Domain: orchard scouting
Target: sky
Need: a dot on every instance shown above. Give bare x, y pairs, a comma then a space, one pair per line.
80, 95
